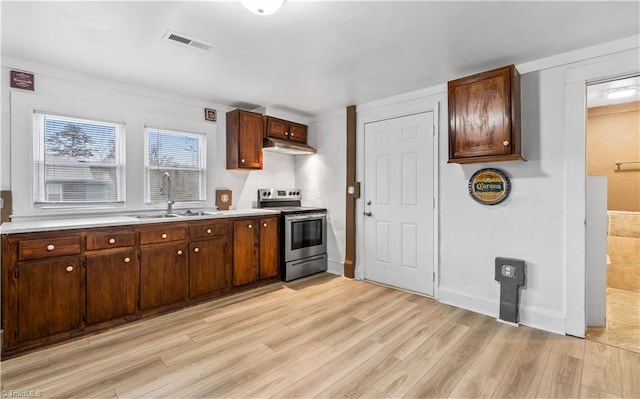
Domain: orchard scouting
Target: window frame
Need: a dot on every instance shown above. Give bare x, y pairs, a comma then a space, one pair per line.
38, 173
202, 165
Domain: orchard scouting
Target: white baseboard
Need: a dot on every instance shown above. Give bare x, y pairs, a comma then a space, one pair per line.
335, 267
529, 316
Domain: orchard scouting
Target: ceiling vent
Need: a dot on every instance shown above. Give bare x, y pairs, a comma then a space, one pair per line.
188, 41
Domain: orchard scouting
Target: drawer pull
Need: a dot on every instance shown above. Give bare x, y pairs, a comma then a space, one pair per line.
69, 269
286, 133
179, 252
250, 226
242, 160
196, 249
505, 143
208, 231
264, 225
50, 247
127, 260
112, 240
164, 235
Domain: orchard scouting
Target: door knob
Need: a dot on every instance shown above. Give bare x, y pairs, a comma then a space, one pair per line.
368, 214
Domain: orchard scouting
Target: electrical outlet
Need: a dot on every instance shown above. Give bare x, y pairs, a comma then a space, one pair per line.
508, 271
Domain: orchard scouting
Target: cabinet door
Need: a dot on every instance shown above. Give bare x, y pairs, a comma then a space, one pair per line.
208, 266
484, 117
111, 285
163, 274
276, 128
250, 141
245, 256
49, 297
269, 248
298, 132
244, 140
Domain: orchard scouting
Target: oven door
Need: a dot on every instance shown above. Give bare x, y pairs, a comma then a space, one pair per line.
305, 235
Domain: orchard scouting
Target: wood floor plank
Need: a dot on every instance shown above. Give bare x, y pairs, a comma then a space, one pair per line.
441, 381
524, 372
398, 381
602, 368
561, 378
314, 383
630, 373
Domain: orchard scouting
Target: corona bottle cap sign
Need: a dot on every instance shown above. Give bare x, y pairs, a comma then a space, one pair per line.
489, 186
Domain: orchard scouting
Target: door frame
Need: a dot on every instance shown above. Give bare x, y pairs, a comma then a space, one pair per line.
575, 169
391, 109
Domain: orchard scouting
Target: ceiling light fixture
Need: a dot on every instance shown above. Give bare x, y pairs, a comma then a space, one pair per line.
262, 7
622, 92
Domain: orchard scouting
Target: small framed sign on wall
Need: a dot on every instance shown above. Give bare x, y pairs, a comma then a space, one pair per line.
23, 80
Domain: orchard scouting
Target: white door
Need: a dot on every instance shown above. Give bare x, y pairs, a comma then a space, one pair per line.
398, 198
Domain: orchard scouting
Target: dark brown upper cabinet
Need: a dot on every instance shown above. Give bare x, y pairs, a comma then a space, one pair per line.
244, 140
284, 130
484, 117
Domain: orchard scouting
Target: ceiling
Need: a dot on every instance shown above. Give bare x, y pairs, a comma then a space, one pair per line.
311, 57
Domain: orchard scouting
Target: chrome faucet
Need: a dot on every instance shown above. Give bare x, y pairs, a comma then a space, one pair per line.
166, 189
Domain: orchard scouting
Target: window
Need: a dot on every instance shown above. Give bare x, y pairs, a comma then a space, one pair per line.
182, 156
77, 161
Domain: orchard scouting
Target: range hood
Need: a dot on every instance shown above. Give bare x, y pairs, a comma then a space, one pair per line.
286, 147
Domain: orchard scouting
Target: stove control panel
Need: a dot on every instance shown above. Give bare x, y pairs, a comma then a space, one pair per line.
279, 194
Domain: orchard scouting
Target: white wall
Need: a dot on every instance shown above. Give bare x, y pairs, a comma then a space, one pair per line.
528, 225
77, 95
322, 179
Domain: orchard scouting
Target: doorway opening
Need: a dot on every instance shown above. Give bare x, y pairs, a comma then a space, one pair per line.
613, 152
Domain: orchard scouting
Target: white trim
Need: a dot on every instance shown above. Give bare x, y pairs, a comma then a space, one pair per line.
580, 55
528, 315
575, 179
402, 98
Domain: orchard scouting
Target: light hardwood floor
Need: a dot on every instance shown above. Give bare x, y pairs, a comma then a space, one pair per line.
328, 337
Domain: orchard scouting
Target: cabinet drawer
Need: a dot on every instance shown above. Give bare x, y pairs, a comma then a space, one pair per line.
96, 241
209, 230
162, 235
48, 247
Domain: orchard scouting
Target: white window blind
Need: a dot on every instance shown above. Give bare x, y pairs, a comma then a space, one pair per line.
180, 154
77, 161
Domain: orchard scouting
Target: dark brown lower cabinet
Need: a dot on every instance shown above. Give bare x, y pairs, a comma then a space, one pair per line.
256, 250
245, 251
269, 247
111, 285
49, 297
209, 266
164, 274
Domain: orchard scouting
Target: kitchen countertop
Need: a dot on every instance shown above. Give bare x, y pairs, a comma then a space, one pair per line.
32, 226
